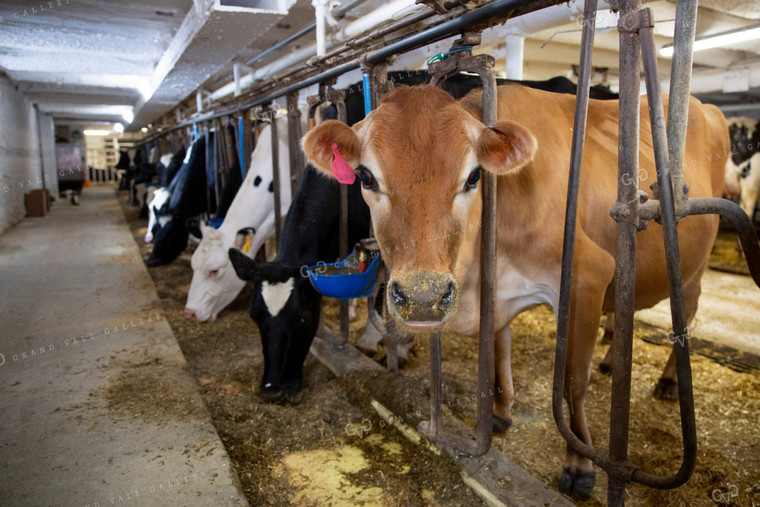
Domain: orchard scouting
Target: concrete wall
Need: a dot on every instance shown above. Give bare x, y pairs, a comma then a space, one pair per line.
19, 153
47, 137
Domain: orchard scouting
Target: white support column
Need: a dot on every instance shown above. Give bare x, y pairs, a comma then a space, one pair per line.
236, 77
515, 55
320, 12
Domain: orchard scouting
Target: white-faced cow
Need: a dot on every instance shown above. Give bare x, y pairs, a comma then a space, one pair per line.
248, 224
419, 157
743, 166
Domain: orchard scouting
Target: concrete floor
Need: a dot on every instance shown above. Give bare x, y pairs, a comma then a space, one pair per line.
728, 312
96, 404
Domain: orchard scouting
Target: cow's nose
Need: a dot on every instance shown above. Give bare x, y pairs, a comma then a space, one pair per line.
190, 314
422, 301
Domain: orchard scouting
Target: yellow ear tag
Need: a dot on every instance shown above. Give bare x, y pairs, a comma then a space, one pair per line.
247, 246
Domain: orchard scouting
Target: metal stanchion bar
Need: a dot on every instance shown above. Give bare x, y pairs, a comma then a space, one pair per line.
625, 257
275, 176
297, 161
433, 429
571, 214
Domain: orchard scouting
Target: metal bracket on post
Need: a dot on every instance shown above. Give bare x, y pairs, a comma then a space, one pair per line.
463, 60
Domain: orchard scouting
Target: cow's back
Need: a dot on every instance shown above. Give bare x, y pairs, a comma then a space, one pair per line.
532, 202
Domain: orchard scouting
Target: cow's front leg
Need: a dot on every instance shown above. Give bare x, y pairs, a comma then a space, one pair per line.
609, 333
667, 385
504, 397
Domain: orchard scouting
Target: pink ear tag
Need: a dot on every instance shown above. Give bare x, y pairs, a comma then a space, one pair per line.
341, 169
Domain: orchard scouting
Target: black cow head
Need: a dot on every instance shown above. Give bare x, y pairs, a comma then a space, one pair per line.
169, 241
285, 307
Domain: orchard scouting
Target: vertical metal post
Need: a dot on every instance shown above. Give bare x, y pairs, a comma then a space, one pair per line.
297, 162
275, 175
215, 160
336, 97
206, 137
241, 144
571, 214
678, 101
625, 258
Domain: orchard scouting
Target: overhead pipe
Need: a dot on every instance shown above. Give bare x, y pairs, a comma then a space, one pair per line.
391, 11
428, 36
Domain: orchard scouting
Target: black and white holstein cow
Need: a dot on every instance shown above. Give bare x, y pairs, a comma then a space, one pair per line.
249, 222
743, 166
172, 206
186, 197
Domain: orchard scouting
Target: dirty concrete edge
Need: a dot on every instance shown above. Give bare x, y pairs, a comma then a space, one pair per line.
206, 413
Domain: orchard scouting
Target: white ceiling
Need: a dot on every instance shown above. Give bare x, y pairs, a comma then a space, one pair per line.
99, 59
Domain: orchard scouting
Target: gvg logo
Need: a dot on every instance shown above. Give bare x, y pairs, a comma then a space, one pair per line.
359, 429
680, 339
725, 497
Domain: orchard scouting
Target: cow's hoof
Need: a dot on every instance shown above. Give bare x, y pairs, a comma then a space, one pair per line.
565, 485
605, 368
501, 424
576, 484
583, 485
152, 263
666, 390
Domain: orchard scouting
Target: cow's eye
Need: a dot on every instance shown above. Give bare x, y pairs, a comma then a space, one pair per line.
213, 272
368, 181
472, 180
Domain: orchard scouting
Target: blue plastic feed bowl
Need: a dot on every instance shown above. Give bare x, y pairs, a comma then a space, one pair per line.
342, 280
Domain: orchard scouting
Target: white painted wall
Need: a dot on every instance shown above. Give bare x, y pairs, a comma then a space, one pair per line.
19, 153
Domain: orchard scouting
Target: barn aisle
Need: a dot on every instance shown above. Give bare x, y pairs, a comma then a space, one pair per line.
96, 404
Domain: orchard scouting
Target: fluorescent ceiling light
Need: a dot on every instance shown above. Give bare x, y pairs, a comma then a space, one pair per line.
97, 132
719, 40
118, 128
128, 116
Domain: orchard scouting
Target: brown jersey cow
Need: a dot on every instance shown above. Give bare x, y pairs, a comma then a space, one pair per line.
419, 157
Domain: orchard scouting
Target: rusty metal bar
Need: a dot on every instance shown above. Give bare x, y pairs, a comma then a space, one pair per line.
275, 176
669, 223
297, 162
571, 214
206, 139
678, 101
625, 257
433, 429
337, 98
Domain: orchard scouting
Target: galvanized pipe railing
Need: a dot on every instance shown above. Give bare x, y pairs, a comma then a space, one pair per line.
631, 212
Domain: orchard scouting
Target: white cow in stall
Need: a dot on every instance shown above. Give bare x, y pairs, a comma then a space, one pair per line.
248, 225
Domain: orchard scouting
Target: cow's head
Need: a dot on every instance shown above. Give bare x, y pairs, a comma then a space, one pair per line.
215, 284
286, 309
419, 157
158, 213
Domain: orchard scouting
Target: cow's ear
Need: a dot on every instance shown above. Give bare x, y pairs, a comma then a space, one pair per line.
317, 145
505, 148
245, 267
